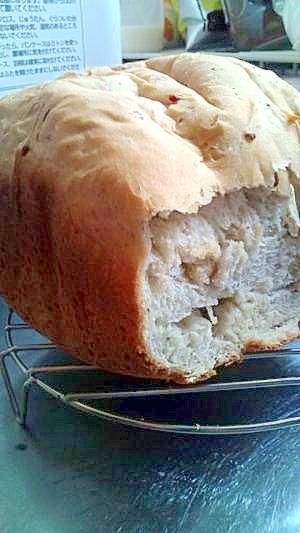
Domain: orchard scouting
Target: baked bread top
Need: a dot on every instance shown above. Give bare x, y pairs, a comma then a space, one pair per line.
208, 124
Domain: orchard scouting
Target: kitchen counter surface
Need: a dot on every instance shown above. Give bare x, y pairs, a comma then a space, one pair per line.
71, 473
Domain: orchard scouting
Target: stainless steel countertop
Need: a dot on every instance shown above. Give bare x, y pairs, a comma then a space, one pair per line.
71, 473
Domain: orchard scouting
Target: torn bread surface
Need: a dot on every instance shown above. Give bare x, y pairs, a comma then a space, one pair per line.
223, 280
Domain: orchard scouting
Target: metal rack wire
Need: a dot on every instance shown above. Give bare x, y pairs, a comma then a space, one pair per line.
39, 376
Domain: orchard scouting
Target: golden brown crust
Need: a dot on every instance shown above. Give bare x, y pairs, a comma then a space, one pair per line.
257, 346
88, 159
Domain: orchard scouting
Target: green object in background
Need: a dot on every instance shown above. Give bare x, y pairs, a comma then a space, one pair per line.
211, 5
181, 24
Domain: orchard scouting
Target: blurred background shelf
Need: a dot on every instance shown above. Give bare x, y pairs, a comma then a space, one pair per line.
267, 56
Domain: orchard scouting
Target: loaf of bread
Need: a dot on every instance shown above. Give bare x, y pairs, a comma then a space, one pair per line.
148, 213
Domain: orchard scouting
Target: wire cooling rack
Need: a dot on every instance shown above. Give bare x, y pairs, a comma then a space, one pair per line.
120, 388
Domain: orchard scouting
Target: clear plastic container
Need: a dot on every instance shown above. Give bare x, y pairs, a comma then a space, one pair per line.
291, 20
142, 24
254, 23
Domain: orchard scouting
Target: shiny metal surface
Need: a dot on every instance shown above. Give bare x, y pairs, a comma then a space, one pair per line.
73, 473
103, 386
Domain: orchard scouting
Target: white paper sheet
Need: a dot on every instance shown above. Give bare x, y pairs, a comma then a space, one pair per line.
40, 39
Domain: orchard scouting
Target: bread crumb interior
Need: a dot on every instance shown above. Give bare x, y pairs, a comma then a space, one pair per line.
222, 278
